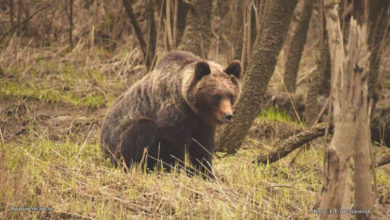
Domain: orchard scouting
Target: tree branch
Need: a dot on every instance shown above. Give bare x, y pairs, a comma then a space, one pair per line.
385, 159
137, 28
293, 143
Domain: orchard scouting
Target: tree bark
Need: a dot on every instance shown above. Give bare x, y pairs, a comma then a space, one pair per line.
136, 26
181, 14
19, 18
351, 114
312, 107
11, 14
152, 37
293, 143
385, 159
197, 34
263, 60
237, 32
378, 18
297, 43
362, 154
70, 23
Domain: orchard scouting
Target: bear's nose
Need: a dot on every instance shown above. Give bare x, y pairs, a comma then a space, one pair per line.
228, 117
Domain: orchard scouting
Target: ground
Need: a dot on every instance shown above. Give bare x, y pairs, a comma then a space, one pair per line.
51, 107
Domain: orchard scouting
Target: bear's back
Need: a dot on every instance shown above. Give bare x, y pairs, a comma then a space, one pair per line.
178, 59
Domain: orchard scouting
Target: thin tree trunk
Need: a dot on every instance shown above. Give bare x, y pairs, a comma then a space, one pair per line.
250, 32
70, 23
379, 21
19, 18
11, 14
152, 36
297, 43
263, 61
197, 34
168, 24
237, 32
136, 26
312, 107
181, 14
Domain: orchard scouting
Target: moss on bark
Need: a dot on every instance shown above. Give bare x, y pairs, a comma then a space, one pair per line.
262, 65
297, 44
197, 34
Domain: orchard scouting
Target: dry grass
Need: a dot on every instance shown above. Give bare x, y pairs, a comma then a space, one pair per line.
45, 88
52, 97
47, 174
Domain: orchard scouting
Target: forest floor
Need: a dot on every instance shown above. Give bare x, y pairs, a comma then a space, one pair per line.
52, 104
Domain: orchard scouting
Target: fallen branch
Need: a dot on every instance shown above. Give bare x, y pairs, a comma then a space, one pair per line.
385, 159
292, 143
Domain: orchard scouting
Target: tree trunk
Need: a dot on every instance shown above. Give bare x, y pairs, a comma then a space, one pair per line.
297, 44
237, 32
263, 61
312, 107
362, 154
136, 26
19, 18
11, 14
152, 37
181, 14
70, 23
378, 17
197, 34
350, 113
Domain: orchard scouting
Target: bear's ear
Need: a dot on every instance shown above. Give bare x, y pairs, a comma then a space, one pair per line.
234, 69
202, 68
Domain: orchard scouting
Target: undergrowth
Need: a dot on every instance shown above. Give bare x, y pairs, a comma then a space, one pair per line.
76, 181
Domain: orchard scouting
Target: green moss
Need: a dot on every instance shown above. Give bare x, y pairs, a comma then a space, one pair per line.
275, 114
43, 93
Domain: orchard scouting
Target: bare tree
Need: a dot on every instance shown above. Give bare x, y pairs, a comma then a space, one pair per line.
378, 18
11, 13
149, 49
237, 31
297, 43
262, 65
197, 34
181, 10
70, 17
19, 18
351, 111
312, 107
136, 26
152, 36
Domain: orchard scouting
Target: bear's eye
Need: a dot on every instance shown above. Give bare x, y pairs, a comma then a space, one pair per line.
231, 98
217, 98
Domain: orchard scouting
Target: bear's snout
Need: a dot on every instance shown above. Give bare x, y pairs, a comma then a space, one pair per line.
225, 113
228, 117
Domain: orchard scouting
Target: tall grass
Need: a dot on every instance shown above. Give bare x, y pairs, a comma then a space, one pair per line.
47, 174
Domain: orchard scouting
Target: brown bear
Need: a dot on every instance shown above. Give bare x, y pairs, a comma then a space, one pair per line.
172, 110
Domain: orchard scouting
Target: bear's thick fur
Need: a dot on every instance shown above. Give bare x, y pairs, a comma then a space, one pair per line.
171, 111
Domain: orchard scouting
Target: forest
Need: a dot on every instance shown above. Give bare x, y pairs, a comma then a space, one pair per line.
305, 128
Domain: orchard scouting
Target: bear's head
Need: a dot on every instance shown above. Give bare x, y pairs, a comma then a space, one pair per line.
211, 91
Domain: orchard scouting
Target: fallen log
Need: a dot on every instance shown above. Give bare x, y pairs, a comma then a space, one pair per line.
294, 105
383, 160
292, 143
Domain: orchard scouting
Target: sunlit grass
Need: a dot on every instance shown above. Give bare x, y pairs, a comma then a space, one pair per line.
44, 173
57, 83
275, 114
